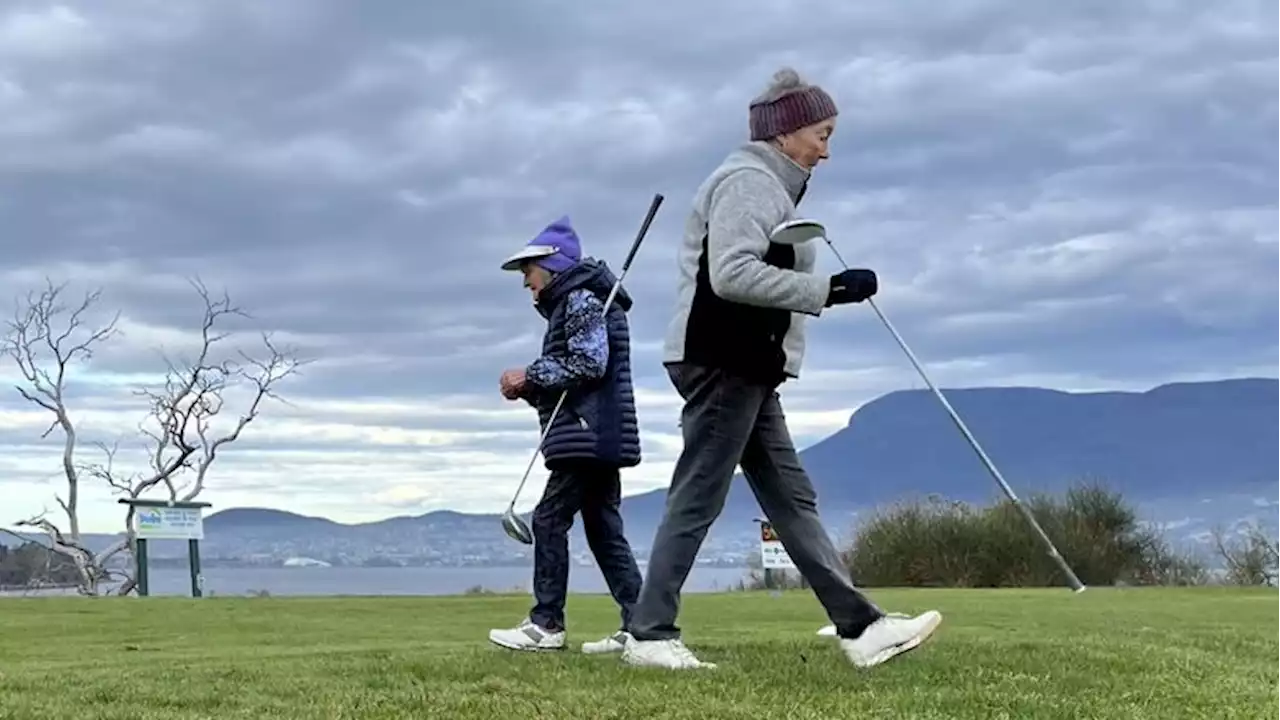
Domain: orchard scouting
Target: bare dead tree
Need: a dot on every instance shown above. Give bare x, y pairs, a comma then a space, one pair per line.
46, 338
43, 354
1251, 558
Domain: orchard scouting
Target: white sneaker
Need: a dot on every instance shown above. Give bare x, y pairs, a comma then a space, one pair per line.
669, 654
615, 643
527, 636
889, 637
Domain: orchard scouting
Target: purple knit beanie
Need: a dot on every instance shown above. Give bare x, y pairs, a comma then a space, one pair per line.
787, 105
555, 249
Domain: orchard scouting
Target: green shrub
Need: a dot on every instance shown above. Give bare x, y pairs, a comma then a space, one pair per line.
940, 543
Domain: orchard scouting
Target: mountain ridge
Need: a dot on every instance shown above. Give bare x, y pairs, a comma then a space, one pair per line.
1189, 454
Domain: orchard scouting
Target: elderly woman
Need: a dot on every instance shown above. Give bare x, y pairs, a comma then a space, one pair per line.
586, 353
737, 335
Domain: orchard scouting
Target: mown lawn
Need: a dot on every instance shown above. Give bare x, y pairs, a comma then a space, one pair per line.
1139, 653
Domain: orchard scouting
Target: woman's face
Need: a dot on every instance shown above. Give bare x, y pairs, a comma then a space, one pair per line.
535, 278
808, 145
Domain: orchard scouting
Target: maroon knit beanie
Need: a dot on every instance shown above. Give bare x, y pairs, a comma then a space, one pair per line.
788, 105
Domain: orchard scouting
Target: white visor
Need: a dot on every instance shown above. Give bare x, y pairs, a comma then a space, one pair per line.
529, 252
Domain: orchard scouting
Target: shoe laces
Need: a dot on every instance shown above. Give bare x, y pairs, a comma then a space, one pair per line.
680, 650
528, 623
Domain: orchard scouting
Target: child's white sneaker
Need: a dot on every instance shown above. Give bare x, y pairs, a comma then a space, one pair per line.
527, 636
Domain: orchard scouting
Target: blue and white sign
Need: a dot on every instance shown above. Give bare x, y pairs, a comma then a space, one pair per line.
169, 523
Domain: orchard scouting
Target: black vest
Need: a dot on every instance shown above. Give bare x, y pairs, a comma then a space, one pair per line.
598, 421
740, 339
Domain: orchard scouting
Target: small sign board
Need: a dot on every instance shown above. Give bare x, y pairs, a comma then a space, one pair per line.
169, 523
772, 555
167, 520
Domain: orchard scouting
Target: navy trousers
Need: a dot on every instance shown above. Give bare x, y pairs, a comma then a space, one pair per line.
594, 490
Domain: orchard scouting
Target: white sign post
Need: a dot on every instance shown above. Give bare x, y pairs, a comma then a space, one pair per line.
772, 555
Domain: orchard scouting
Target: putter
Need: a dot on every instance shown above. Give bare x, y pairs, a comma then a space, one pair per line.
512, 524
802, 230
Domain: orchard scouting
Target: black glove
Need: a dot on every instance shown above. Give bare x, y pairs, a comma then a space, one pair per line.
852, 286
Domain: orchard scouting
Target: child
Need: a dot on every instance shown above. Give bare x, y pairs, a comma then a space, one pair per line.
595, 434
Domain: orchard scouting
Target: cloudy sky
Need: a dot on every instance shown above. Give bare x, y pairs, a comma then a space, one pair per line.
1078, 195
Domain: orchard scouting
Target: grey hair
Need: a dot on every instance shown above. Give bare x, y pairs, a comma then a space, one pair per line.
784, 82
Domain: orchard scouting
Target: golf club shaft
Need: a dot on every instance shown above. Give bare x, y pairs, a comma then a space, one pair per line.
973, 441
613, 293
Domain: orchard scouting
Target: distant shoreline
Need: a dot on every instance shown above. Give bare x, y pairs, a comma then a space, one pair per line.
384, 581
38, 587
182, 564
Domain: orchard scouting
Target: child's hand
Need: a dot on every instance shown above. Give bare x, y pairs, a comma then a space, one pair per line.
512, 383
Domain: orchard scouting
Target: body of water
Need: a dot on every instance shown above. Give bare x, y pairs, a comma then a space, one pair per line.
397, 581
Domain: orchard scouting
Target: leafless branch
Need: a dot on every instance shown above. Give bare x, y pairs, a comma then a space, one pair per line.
90, 573
43, 339
263, 375
194, 393
180, 425
1251, 559
19, 536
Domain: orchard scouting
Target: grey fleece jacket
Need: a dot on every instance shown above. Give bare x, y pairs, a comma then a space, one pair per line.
751, 192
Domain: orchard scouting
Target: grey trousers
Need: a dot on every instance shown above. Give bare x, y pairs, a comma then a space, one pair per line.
729, 421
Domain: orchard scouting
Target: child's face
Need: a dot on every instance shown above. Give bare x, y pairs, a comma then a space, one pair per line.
535, 278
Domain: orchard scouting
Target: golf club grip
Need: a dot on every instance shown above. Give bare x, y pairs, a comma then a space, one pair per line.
644, 230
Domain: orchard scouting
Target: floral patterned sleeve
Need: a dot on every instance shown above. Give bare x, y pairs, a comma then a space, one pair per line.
588, 347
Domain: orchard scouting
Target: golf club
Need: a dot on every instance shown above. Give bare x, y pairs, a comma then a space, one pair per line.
797, 232
514, 526
794, 230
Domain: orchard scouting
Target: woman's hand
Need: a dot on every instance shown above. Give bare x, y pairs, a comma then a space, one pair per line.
512, 383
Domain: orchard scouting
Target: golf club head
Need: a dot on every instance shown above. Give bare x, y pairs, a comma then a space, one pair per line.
516, 528
797, 232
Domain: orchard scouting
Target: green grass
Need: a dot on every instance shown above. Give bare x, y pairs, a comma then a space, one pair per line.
1140, 653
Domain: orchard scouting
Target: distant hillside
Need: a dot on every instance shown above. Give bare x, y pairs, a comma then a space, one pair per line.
1178, 442
1192, 455
1171, 448
238, 518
